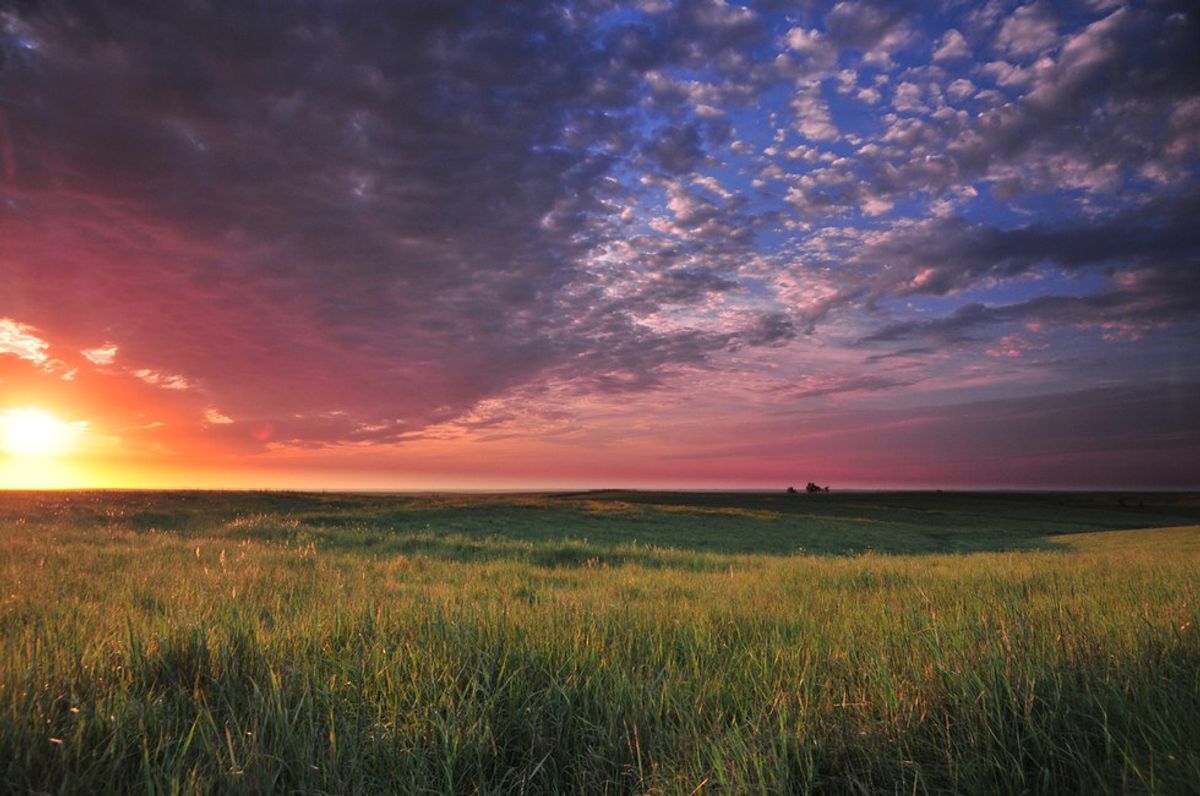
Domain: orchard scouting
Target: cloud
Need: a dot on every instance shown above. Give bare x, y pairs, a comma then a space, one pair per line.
168, 381
19, 340
817, 54
677, 150
813, 120
101, 355
771, 329
1119, 313
839, 385
23, 341
961, 88
1102, 72
385, 215
907, 99
1030, 30
876, 29
1014, 346
869, 95
951, 46
940, 255
216, 417
348, 224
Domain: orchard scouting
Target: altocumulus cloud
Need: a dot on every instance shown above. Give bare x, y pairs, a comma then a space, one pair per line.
331, 222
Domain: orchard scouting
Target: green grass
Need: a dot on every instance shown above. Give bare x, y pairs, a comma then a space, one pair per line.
606, 642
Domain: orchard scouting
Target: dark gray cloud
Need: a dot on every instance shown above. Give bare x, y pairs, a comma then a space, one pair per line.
1131, 312
876, 30
369, 205
853, 384
940, 255
1149, 257
677, 150
773, 329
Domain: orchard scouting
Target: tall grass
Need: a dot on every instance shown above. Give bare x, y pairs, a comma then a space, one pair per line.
259, 652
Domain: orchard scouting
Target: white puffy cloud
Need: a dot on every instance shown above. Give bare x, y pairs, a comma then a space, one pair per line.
951, 46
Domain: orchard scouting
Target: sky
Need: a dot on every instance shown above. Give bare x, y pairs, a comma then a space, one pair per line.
702, 244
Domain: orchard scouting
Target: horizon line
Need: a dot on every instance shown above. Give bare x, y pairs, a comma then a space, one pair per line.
567, 491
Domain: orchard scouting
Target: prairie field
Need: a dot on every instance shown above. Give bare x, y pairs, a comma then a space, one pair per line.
604, 642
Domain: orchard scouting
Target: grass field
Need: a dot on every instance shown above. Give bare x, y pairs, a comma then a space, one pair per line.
606, 642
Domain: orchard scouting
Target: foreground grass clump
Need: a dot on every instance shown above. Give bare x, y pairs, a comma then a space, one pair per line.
253, 643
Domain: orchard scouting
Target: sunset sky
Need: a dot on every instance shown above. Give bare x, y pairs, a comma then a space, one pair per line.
488, 245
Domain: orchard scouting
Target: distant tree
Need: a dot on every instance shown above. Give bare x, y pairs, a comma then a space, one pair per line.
811, 487
791, 490
826, 489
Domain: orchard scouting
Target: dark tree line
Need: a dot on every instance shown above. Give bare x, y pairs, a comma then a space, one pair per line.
810, 488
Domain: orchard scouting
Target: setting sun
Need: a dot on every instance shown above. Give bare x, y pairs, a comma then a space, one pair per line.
33, 432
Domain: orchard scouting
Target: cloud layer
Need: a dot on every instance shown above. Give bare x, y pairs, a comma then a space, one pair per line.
291, 227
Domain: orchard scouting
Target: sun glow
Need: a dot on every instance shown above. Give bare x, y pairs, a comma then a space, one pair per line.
35, 433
